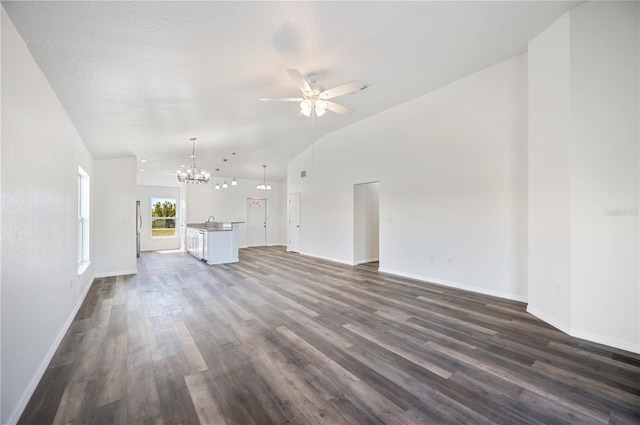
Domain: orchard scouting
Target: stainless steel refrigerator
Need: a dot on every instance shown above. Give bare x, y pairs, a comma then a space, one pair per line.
138, 227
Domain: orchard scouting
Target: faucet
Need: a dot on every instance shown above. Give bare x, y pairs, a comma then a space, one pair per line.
211, 219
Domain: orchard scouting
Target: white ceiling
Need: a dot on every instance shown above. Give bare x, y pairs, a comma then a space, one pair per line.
141, 78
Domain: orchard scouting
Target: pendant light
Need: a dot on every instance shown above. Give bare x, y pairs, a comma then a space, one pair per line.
264, 186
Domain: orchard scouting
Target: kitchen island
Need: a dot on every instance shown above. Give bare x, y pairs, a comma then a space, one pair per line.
213, 242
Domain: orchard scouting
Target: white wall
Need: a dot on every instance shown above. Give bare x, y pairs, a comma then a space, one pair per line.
447, 163
549, 155
605, 168
41, 290
1, 20
114, 216
366, 222
231, 205
586, 210
144, 195
284, 213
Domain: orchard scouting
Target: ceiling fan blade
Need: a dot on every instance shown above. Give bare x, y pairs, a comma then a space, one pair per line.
281, 99
300, 116
300, 81
339, 109
341, 90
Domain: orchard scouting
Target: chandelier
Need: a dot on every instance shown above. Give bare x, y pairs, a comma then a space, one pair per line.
192, 174
264, 186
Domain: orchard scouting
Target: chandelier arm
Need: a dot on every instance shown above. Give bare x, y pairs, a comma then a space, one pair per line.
193, 174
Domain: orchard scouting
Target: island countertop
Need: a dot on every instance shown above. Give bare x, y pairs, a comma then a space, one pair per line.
218, 226
213, 242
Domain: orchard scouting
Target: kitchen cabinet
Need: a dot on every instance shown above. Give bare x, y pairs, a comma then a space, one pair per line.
195, 243
215, 244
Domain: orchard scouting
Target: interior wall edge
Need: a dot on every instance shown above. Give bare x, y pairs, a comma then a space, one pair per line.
367, 260
587, 336
321, 257
30, 389
476, 289
116, 273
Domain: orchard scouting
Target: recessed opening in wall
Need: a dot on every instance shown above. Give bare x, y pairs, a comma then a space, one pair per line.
163, 218
83, 220
366, 223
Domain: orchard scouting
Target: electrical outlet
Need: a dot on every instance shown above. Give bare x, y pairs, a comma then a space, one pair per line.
449, 261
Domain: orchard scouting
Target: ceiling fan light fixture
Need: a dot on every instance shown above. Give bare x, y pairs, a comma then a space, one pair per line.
315, 99
306, 106
320, 107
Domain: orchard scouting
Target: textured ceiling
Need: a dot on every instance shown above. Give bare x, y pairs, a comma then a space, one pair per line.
141, 78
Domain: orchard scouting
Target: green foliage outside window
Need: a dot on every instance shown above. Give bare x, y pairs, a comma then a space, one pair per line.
163, 217
164, 209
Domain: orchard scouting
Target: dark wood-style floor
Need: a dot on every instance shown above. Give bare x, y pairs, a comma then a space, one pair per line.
280, 338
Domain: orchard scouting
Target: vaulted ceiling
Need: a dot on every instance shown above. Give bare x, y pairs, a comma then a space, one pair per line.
141, 78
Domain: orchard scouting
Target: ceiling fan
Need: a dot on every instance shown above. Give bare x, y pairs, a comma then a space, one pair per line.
315, 99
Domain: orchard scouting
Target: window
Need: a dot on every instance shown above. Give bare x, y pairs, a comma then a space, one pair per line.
83, 220
163, 218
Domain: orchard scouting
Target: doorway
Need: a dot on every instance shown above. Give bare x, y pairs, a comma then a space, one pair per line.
294, 223
256, 222
366, 222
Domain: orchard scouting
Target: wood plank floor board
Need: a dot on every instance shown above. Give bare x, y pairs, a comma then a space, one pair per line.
280, 338
612, 373
176, 405
49, 395
560, 392
425, 397
277, 410
69, 348
143, 402
287, 383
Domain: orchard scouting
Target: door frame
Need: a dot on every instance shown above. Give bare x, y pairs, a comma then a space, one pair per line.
264, 200
290, 229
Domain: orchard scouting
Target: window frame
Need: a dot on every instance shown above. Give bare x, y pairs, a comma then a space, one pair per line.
153, 199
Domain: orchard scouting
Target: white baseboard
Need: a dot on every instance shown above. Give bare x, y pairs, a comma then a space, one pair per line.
484, 291
28, 392
118, 273
561, 326
602, 339
366, 260
269, 244
589, 336
335, 260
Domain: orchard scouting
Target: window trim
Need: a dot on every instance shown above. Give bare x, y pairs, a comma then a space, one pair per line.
151, 217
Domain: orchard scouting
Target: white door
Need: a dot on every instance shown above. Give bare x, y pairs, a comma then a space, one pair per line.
294, 222
256, 222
